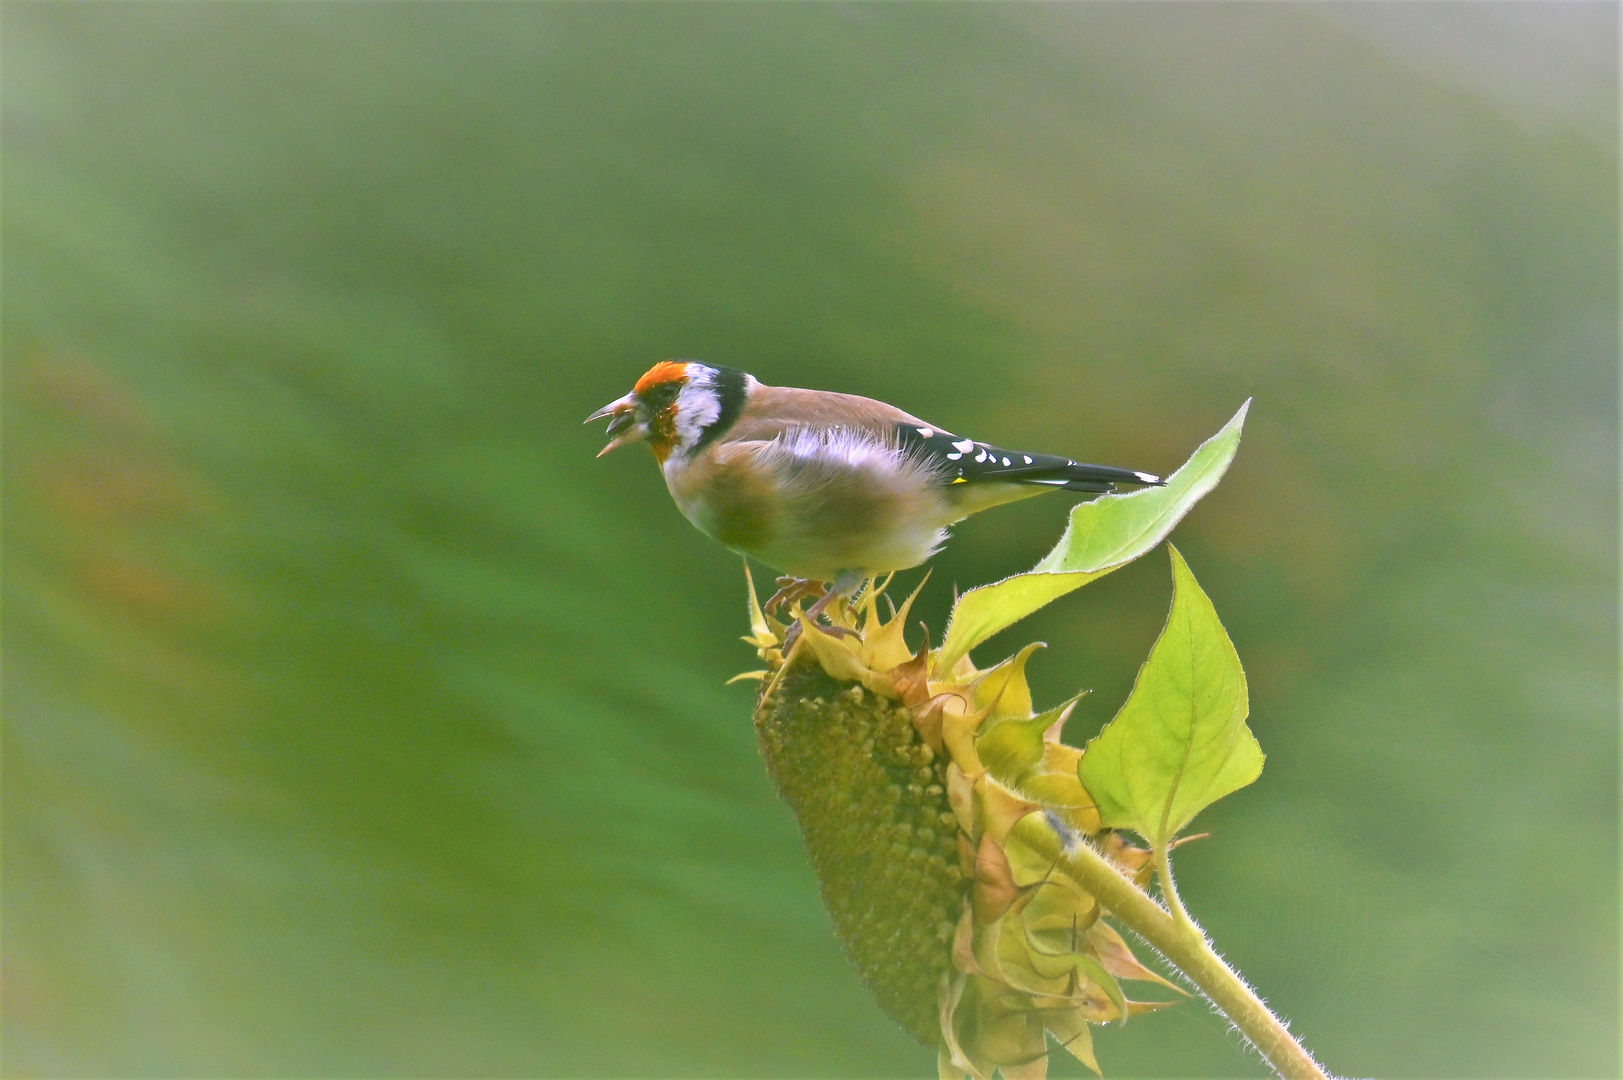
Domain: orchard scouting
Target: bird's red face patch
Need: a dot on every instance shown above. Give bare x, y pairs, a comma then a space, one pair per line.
666, 371
657, 391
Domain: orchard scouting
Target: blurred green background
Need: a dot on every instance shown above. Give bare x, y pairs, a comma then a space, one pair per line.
359, 722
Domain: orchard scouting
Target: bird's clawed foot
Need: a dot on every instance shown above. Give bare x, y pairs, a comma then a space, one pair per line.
792, 635
791, 589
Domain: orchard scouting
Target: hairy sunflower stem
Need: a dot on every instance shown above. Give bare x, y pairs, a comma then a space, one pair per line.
1169, 888
1184, 944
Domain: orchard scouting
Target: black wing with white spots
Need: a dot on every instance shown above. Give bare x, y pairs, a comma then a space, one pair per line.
965, 461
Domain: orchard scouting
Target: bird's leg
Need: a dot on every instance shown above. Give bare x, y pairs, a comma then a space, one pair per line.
822, 605
843, 585
790, 589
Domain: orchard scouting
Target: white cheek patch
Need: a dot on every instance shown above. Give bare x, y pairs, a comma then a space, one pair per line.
697, 407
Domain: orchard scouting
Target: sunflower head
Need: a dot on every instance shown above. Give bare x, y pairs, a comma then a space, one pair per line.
930, 803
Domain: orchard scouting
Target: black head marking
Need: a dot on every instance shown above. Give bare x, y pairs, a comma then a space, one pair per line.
731, 386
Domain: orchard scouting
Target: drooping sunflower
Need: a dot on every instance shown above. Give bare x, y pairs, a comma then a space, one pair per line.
931, 804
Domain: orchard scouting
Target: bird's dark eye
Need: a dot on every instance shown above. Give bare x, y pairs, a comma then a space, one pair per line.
663, 394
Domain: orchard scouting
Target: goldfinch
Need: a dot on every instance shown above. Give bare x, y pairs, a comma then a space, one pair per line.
825, 487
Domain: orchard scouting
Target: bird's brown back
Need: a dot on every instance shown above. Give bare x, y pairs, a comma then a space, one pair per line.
773, 409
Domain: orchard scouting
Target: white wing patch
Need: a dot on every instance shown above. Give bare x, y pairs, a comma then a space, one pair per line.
858, 451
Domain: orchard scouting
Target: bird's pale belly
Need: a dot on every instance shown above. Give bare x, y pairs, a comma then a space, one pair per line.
843, 527
824, 556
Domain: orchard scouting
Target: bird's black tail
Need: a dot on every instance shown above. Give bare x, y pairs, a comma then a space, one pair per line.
1075, 476
965, 461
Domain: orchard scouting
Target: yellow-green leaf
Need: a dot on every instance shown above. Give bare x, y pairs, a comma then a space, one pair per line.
1180, 742
1104, 534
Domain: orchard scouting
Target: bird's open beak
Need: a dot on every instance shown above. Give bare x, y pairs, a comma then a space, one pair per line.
623, 428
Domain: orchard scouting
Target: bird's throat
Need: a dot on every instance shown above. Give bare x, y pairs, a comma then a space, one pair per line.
662, 434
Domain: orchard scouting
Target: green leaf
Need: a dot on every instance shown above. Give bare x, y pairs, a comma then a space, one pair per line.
1180, 742
1109, 532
